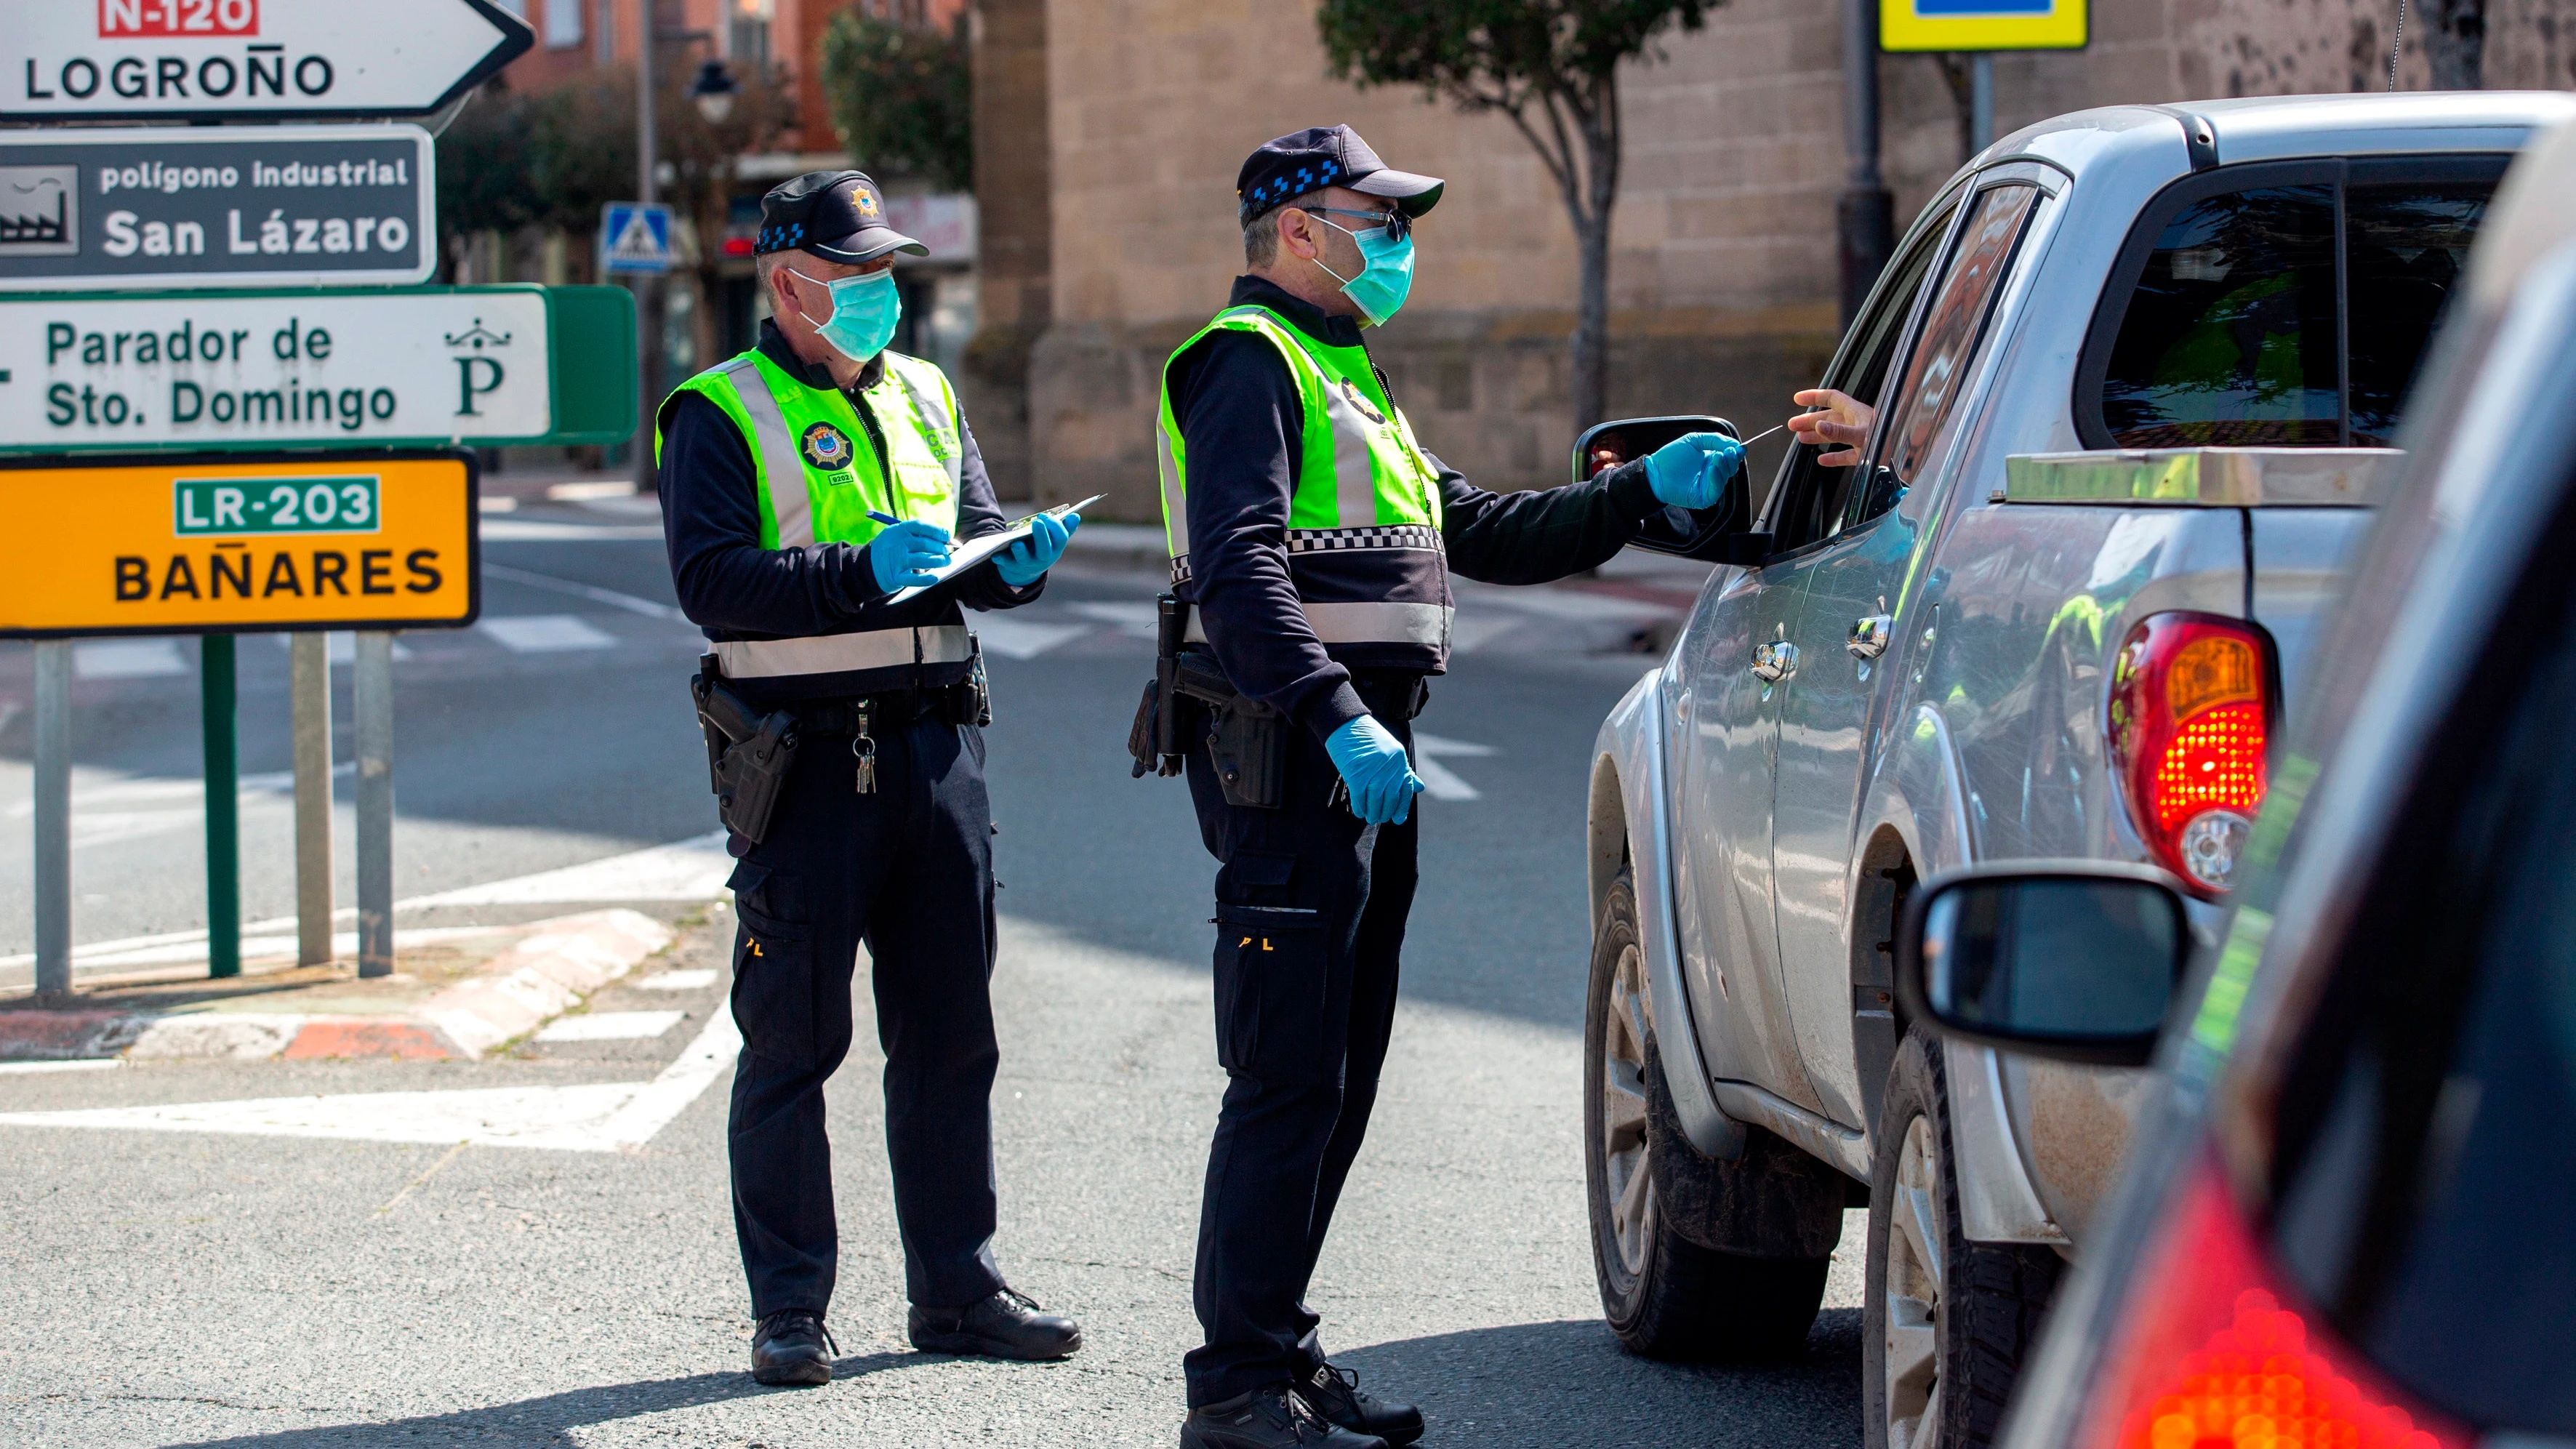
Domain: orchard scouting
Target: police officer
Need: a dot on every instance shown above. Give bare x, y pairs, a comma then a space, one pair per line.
779, 472
1313, 538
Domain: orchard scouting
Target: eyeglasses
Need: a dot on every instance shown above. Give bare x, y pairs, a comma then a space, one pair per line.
1398, 225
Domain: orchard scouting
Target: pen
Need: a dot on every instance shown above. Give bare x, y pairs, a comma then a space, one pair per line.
885, 518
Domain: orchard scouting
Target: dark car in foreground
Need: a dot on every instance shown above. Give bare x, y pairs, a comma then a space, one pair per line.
2346, 1215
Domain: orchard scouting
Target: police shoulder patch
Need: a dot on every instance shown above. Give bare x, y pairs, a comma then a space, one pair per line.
826, 447
1360, 401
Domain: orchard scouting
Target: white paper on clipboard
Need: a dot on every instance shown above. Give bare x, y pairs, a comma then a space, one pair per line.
981, 550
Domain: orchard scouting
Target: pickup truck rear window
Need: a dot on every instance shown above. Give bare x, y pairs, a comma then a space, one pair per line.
2287, 314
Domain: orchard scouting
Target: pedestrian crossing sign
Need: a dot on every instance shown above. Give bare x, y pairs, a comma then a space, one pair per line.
1913, 25
635, 237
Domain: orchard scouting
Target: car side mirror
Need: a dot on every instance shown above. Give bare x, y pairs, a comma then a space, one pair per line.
1719, 533
2071, 960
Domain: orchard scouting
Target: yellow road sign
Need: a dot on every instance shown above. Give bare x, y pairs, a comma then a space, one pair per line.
220, 544
1981, 24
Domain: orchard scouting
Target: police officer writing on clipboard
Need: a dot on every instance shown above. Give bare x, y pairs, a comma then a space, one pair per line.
1312, 541
844, 735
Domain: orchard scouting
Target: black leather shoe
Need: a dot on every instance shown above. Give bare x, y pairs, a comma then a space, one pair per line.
793, 1347
1334, 1394
1006, 1325
1271, 1418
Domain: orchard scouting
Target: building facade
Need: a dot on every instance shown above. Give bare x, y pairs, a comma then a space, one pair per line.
1109, 132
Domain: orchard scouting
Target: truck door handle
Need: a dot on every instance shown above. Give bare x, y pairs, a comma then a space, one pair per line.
1775, 661
1869, 636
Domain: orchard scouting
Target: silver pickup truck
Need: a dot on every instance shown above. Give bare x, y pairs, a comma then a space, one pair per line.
2134, 373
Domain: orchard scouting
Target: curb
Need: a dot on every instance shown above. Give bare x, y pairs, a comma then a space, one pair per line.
537, 979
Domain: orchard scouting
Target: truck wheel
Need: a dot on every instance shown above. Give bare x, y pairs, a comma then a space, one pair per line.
1665, 1295
1946, 1321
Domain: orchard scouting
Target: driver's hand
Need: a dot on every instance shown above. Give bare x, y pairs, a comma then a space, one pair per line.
1837, 417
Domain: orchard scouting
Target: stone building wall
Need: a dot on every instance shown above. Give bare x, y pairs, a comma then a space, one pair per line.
1723, 274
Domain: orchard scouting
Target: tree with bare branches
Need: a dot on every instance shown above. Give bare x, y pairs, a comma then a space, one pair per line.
1552, 66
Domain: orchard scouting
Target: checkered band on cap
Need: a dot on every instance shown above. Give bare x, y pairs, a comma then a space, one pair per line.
781, 237
1287, 186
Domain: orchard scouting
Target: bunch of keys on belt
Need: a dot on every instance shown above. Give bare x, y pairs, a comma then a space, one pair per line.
864, 748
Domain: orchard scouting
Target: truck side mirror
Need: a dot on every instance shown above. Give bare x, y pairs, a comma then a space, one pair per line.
1719, 533
2072, 960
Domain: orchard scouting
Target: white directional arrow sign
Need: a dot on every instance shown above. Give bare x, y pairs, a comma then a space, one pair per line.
238, 60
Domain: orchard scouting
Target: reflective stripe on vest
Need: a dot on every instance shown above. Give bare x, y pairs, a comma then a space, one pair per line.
1362, 485
1426, 624
818, 471
844, 653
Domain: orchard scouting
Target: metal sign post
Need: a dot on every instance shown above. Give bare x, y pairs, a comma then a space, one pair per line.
1978, 28
222, 728
248, 60
53, 819
372, 696
309, 686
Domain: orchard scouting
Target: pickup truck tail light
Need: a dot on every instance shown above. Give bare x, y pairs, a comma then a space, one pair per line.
2190, 719
2214, 1352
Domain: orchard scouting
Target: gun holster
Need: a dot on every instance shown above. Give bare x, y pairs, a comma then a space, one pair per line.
749, 754
1156, 740
1189, 701
970, 700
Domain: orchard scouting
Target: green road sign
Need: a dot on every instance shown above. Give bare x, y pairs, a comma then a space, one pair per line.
132, 372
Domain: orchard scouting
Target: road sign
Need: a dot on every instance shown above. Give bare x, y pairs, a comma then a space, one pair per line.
635, 237
246, 60
220, 543
1981, 24
216, 207
133, 372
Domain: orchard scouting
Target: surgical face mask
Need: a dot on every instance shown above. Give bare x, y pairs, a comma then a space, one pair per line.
864, 311
1381, 286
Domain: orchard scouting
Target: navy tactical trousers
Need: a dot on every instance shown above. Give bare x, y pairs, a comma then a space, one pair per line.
907, 870
1310, 908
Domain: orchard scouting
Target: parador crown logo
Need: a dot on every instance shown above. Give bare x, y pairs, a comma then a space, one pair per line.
826, 447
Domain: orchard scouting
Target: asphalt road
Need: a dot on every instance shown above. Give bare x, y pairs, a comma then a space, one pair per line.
165, 1287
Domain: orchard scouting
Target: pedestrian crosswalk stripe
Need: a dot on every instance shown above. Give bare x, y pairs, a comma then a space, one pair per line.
127, 659
546, 633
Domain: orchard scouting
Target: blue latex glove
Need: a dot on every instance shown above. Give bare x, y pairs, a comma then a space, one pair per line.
1372, 763
1688, 471
905, 553
1026, 562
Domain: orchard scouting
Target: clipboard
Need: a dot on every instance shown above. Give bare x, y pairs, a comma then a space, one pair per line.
983, 549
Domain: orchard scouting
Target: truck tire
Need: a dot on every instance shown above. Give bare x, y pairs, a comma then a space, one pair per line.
1945, 1322
1665, 1295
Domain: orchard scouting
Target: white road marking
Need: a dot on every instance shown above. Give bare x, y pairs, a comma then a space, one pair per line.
546, 633
528, 530
696, 978
603, 1117
689, 870
596, 595
127, 659
340, 647
1438, 780
1020, 639
611, 1026
1135, 620
85, 1064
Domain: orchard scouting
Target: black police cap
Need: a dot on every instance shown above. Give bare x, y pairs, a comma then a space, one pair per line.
1320, 156
836, 215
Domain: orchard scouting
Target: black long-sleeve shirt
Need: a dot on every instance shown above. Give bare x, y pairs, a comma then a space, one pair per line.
733, 588
1244, 428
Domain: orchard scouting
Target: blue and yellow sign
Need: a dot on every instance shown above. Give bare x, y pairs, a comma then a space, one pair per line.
1981, 25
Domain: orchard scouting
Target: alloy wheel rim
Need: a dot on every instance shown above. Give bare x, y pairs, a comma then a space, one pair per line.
1912, 1293
1628, 1172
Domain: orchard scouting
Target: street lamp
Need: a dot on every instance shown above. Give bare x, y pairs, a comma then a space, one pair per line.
714, 92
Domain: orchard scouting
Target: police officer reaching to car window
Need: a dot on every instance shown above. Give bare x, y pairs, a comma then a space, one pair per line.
1312, 541
810, 490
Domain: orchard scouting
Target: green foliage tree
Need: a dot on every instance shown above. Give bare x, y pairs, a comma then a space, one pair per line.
549, 160
902, 97
1552, 66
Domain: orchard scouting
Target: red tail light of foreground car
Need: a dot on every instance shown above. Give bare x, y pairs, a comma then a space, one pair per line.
2214, 1354
2190, 720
